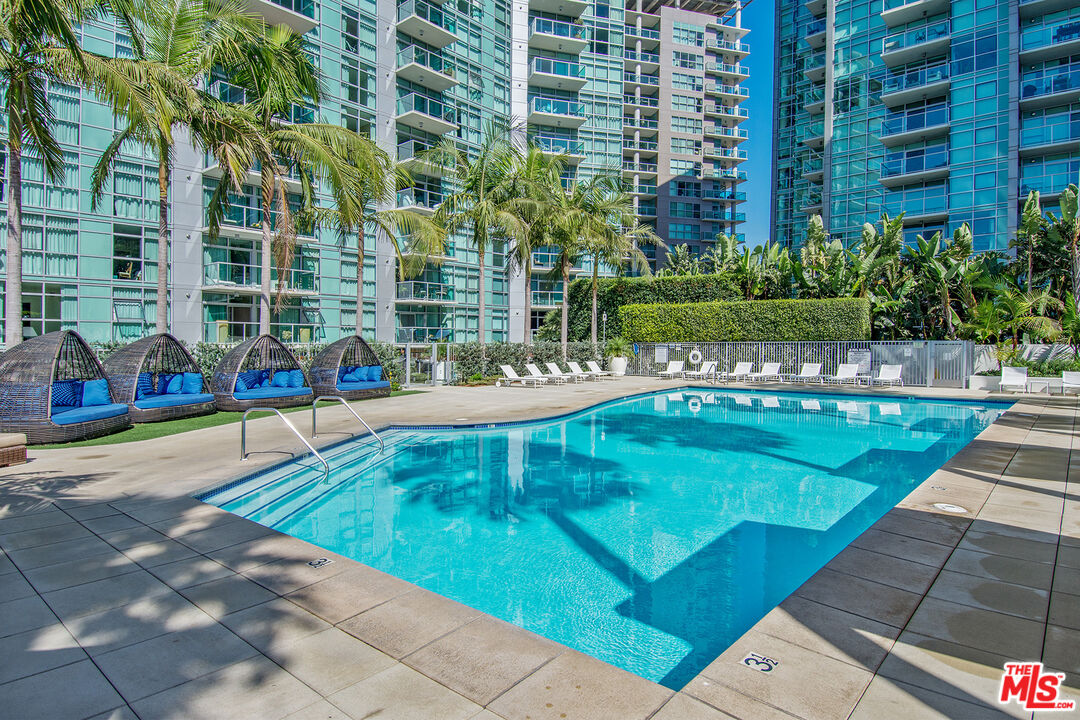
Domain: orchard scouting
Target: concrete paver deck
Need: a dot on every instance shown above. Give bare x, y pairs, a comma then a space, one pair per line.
121, 596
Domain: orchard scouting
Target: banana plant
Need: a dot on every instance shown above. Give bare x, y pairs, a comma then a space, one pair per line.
1066, 231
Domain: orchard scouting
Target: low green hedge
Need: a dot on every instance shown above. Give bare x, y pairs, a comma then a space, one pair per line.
756, 320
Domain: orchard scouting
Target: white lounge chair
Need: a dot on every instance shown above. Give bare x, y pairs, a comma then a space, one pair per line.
889, 375
707, 369
597, 370
675, 367
510, 377
741, 372
1070, 382
554, 370
575, 369
769, 371
535, 372
1014, 379
810, 372
845, 373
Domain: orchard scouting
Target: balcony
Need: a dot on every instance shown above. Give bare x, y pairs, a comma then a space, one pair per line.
815, 68
726, 90
245, 223
907, 46
722, 195
914, 85
557, 36
915, 126
814, 135
643, 60
647, 210
816, 7
408, 154
418, 292
573, 150
556, 74
419, 200
422, 67
546, 299
728, 71
641, 101
642, 123
291, 179
725, 154
1043, 42
933, 164
640, 79
631, 32
298, 15
814, 100
740, 49
1032, 8
723, 216
815, 34
426, 22
570, 8
557, 113
730, 134
639, 168
424, 113
244, 279
1062, 137
901, 12
813, 169
728, 174
644, 147
640, 189
1058, 89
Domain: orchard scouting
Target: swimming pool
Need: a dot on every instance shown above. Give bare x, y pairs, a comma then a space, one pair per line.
649, 532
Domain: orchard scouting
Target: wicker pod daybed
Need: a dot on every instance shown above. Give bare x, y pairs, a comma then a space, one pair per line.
159, 380
348, 368
260, 372
53, 389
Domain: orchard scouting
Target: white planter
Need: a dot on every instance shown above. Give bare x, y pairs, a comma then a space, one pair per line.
983, 382
617, 365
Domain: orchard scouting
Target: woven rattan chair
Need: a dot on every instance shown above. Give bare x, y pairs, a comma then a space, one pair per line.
154, 360
28, 372
266, 355
339, 359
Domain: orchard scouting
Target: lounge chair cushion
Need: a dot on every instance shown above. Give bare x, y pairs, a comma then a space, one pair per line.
296, 378
250, 378
280, 379
96, 393
363, 385
353, 376
270, 392
159, 401
144, 385
374, 373
192, 383
66, 394
86, 414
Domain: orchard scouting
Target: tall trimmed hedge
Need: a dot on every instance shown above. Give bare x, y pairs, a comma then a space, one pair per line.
755, 320
614, 293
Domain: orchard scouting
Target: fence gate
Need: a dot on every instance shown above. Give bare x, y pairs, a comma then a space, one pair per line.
950, 363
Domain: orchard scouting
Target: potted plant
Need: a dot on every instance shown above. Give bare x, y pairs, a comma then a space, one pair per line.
618, 353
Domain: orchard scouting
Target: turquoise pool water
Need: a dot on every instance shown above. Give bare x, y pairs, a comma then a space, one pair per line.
649, 532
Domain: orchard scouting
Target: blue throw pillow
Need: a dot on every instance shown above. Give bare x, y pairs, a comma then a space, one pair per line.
374, 373
281, 379
341, 371
192, 383
241, 386
251, 378
65, 393
96, 392
176, 384
354, 376
163, 383
144, 385
296, 378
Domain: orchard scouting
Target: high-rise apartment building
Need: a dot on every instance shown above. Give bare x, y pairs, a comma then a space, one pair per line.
651, 90
950, 112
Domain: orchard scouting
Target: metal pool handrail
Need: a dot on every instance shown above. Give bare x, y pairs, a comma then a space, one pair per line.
314, 405
243, 436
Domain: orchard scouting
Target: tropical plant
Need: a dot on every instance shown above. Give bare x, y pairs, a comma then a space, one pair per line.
1031, 230
1066, 231
680, 261
618, 246
1070, 324
618, 347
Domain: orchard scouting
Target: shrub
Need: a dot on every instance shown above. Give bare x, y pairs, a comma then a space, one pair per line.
471, 362
756, 320
612, 294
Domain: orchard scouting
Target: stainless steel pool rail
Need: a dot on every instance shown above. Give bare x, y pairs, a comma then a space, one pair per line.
243, 436
314, 406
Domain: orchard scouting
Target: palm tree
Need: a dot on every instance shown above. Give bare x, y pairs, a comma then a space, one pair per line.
1066, 231
482, 198
680, 261
38, 42
937, 267
617, 247
277, 76
1032, 227
185, 39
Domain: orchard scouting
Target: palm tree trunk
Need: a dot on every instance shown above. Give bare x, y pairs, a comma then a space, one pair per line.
946, 312
482, 309
13, 287
267, 252
528, 301
360, 281
596, 262
565, 307
162, 324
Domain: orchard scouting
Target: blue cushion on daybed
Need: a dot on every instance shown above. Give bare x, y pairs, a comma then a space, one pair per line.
96, 393
374, 373
192, 383
280, 379
144, 385
296, 378
270, 392
66, 393
159, 401
86, 414
251, 378
363, 385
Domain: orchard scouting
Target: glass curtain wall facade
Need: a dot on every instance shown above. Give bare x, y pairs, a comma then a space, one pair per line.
407, 73
947, 111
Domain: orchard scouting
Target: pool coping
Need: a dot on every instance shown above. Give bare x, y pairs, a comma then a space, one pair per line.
823, 666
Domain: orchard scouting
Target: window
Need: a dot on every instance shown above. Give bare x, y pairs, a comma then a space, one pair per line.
684, 209
685, 188
690, 61
683, 231
127, 252
686, 103
686, 125
685, 167
682, 81
685, 146
686, 34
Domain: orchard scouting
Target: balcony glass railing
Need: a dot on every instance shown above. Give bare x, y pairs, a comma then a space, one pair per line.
302, 7
1038, 36
251, 218
915, 36
813, 130
730, 68
727, 89
716, 194
725, 174
552, 106
410, 149
646, 33
727, 132
813, 165
641, 188
566, 146
718, 216
727, 154
420, 56
645, 57
546, 297
813, 95
428, 12
225, 92
1048, 177
573, 31
640, 167
646, 145
641, 123
561, 68
931, 158
641, 79
228, 331
916, 201
425, 291
644, 101
646, 209
814, 62
914, 78
1057, 128
419, 197
1063, 79
415, 102
725, 46
930, 116
818, 26
243, 275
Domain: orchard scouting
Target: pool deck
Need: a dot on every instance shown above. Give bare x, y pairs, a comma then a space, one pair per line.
122, 597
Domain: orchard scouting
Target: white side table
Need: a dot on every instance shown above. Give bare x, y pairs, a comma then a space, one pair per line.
1048, 385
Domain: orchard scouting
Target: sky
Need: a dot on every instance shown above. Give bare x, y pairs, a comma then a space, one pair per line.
759, 16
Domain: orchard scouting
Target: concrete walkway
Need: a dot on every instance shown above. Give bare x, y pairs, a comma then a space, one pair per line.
120, 596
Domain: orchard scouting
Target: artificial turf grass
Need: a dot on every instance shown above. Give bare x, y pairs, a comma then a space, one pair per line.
149, 431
